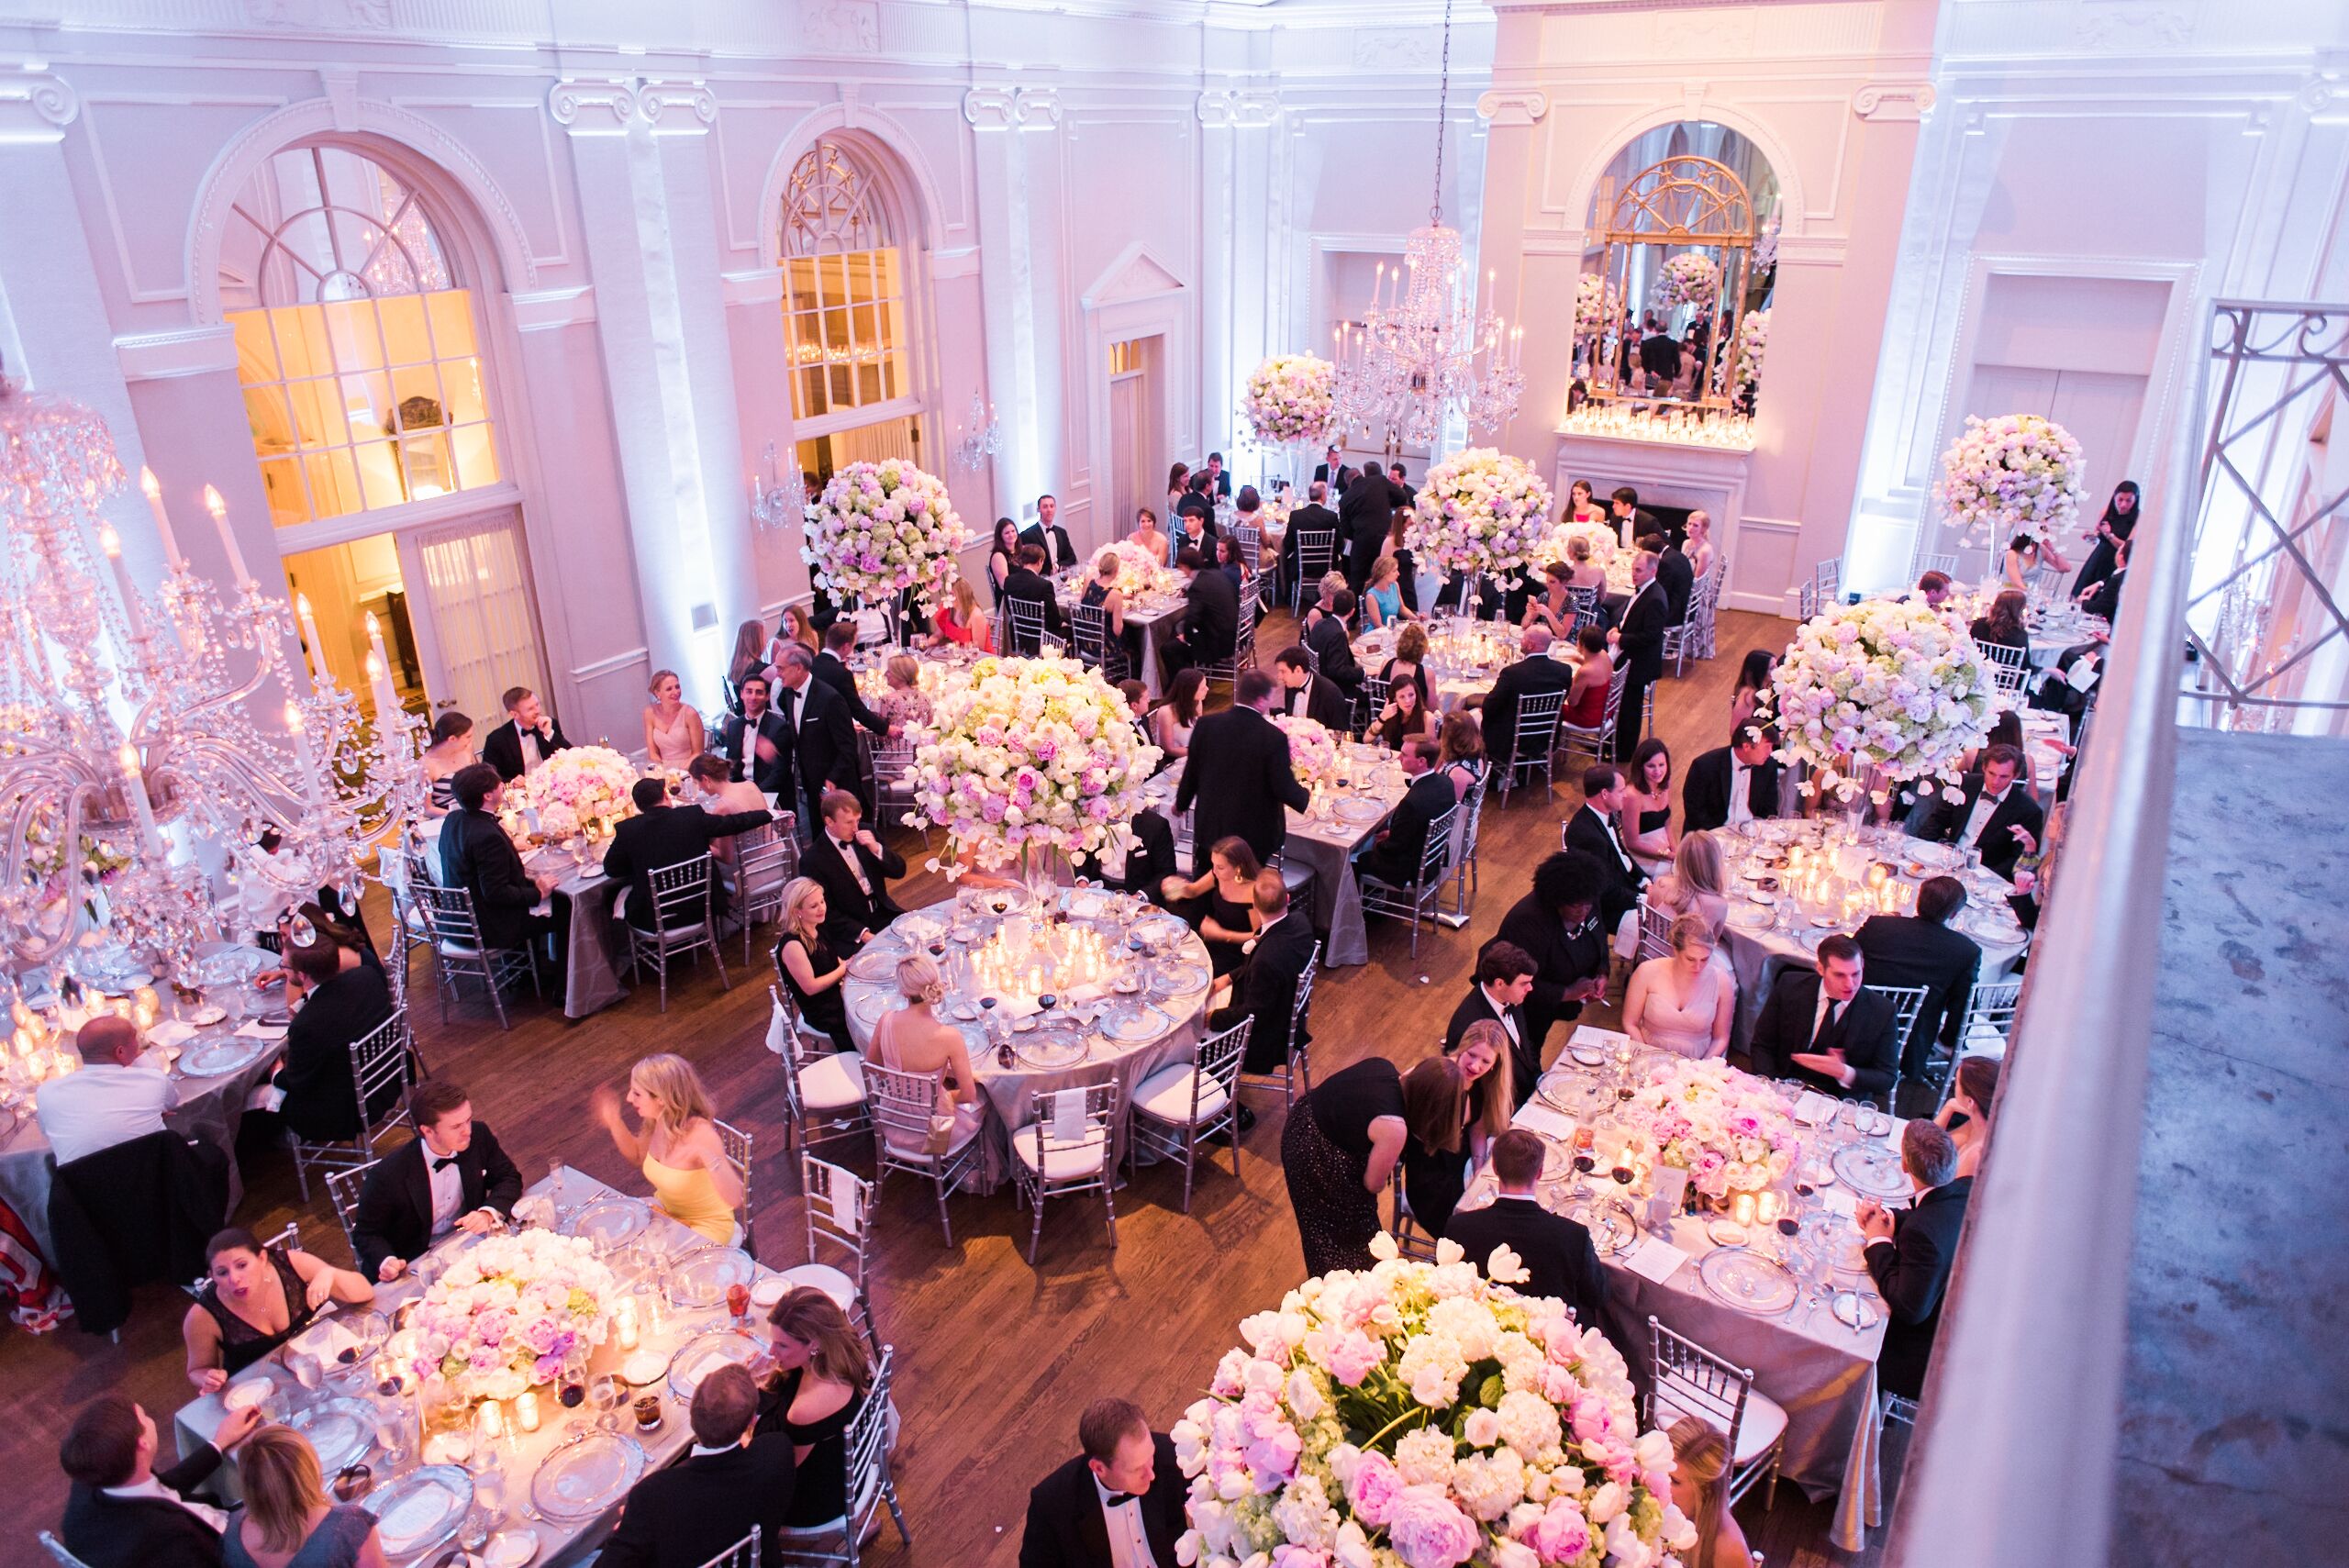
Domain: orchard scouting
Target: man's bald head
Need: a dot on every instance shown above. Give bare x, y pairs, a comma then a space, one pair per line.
107, 1038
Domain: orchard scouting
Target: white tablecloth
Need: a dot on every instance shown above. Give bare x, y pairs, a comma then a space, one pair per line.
590, 980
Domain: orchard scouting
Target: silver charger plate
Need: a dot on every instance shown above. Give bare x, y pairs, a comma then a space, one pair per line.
1871, 1169
421, 1509
872, 965
705, 1354
1136, 1027
1048, 1051
231, 965
1357, 810
868, 1008
610, 1222
1180, 980
342, 1430
222, 1055
1748, 1280
1578, 1097
580, 1480
1612, 1228
700, 1277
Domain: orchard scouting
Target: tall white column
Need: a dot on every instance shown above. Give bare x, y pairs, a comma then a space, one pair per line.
1237, 289
1016, 166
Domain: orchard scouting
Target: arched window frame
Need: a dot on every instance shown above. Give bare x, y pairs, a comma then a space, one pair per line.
841, 207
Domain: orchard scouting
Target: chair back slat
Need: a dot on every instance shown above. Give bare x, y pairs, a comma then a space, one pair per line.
839, 1210
1696, 1382
343, 1191
379, 1061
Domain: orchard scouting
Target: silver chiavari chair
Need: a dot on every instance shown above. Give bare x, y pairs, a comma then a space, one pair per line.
460, 953
839, 1219
765, 861
902, 1104
872, 1433
1183, 1104
682, 922
343, 1191
741, 1150
379, 1070
1317, 550
1065, 1149
1591, 745
1690, 1380
1535, 742
1907, 1001
1296, 1072
743, 1554
1417, 900
823, 1086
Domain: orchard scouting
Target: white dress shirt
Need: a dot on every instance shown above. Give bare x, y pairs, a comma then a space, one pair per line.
1128, 1543
1741, 791
533, 754
155, 1490
100, 1105
1609, 823
855, 866
1502, 1013
1979, 818
448, 1190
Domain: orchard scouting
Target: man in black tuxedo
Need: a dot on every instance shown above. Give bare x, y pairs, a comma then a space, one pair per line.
1047, 536
1118, 1503
1593, 831
1736, 782
1313, 516
1505, 979
1639, 639
1822, 1028
1559, 1258
1332, 472
756, 740
1219, 482
1264, 987
121, 1512
1305, 693
1367, 519
832, 668
1660, 358
1407, 492
1676, 575
1556, 926
823, 735
1238, 780
1631, 523
1332, 640
344, 1000
1998, 817
663, 834
1027, 581
1535, 671
734, 1478
1394, 855
1909, 1255
1197, 502
1211, 626
476, 855
854, 869
452, 1176
1920, 950
528, 737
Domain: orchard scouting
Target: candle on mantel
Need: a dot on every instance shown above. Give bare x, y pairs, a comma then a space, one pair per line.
136, 786
220, 510
154, 490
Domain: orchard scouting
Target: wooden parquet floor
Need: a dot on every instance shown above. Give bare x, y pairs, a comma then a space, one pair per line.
995, 1358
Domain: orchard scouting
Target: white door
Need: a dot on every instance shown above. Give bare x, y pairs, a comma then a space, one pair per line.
1130, 452
476, 632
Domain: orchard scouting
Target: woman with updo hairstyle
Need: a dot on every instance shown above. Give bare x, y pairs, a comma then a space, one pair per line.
914, 1038
903, 702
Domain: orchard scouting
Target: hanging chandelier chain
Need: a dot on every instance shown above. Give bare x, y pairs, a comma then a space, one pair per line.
1443, 108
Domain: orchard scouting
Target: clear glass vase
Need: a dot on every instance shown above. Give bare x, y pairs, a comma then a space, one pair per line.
1045, 870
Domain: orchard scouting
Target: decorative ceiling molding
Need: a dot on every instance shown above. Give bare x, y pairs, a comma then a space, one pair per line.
1894, 101
189, 350
1246, 108
1513, 107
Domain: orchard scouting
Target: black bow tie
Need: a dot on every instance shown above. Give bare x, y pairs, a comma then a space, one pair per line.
443, 1164
1118, 1499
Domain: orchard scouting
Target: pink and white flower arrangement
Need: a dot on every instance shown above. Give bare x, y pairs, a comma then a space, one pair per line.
1312, 749
581, 789
882, 528
1729, 1130
1883, 683
510, 1311
1293, 397
1593, 305
1419, 1416
1482, 512
1689, 278
1026, 752
2018, 470
1141, 574
1752, 341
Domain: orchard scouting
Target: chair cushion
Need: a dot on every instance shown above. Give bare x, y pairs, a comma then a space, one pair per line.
457, 950
675, 936
904, 1150
1764, 1423
833, 1083
826, 1278
1166, 1095
1064, 1161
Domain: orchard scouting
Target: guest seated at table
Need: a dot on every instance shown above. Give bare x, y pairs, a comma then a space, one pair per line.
1644, 822
528, 738
914, 1038
901, 702
1700, 543
673, 731
1457, 751
853, 868
1171, 721
663, 834
1239, 779
722, 795
1920, 950
757, 742
1047, 535
1127, 1482
1488, 1077
1910, 1254
1560, 1260
1394, 854
735, 1479
1218, 902
1822, 1029
1209, 627
1104, 595
1333, 646
2102, 597
288, 1520
1303, 695
2004, 624
822, 1374
1337, 1152
1700, 1465
1409, 662
1592, 830
113, 1098
1503, 981
959, 621
1150, 537
1695, 884
1754, 675
1997, 819
1555, 925
1195, 529
476, 855
1741, 782
2006, 729
1318, 601
1934, 588
1265, 987
1534, 671
122, 1512
1593, 665
452, 1176
1028, 585
342, 1001
676, 1145
1229, 560
1405, 723
1965, 1115
254, 1299
831, 669
1003, 556
2025, 555
1382, 599
452, 749
1683, 1002
749, 658
808, 964
1136, 697
1141, 867
1436, 1156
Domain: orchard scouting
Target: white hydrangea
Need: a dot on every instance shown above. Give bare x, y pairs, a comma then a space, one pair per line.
1424, 1457
1529, 1423
1304, 1516
1469, 1324
1489, 1485
1432, 1367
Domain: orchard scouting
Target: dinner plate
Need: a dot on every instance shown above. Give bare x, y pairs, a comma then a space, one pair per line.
419, 1510
872, 965
1180, 979
1576, 1095
1357, 810
510, 1548
920, 926
770, 1290
1852, 1312
1135, 1028
222, 1055
967, 1012
340, 1430
580, 1480
1726, 1233
1871, 1169
1612, 1228
700, 1277
644, 1366
610, 1222
1587, 1055
229, 965
868, 1008
1746, 1279
1746, 919
249, 1391
705, 1354
1048, 1051
1852, 1258
1767, 900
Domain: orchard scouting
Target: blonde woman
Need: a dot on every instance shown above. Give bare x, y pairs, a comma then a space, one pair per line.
821, 1378
903, 702
1701, 1491
1700, 549
916, 1039
1489, 1076
1384, 594
1582, 572
809, 966
1681, 1002
1694, 885
676, 1145
288, 1521
962, 622
672, 732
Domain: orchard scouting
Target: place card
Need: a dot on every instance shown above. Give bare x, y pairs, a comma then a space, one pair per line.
1814, 1110
253, 1028
1553, 1125
1591, 1034
1656, 1259
1841, 1199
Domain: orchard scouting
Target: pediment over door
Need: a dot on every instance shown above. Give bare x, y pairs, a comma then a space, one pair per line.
1135, 274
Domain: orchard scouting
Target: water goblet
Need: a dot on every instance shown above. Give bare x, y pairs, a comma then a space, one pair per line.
606, 1395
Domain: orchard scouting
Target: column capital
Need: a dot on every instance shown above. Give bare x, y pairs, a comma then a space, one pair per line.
1240, 107
1511, 107
35, 106
1006, 108
1891, 101
668, 105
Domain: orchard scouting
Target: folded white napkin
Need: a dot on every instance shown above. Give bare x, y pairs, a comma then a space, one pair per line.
172, 1032
1552, 1124
1591, 1034
1841, 1199
253, 1028
1089, 992
1814, 1110
1656, 1259
1018, 1006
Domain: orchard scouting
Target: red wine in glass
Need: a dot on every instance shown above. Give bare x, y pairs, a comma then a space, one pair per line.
1789, 1226
1584, 1163
1622, 1174
574, 1392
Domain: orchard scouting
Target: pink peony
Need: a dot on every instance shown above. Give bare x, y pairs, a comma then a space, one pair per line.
1375, 1487
1348, 1356
1428, 1530
1561, 1534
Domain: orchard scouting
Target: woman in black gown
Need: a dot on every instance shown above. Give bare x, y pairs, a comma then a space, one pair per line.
2112, 530
1463, 1116
808, 965
254, 1299
821, 1379
1219, 904
1339, 1152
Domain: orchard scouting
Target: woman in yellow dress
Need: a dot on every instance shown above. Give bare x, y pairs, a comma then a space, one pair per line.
676, 1145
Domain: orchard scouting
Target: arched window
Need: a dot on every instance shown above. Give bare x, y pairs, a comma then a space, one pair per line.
844, 287
357, 344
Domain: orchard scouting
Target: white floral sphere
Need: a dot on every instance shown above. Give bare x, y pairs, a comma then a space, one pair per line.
1885, 683
2018, 470
882, 528
1689, 278
1293, 397
1592, 304
1752, 341
1482, 512
510, 1311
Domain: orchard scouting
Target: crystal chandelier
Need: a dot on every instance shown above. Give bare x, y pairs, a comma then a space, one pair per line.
982, 441
126, 715
772, 506
1422, 349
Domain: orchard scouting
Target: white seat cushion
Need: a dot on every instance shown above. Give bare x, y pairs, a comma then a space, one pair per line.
834, 1082
1762, 1424
1064, 1161
904, 1150
675, 936
457, 950
1166, 1095
826, 1278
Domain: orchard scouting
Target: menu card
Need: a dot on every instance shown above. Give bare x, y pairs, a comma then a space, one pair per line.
1552, 1124
1656, 1259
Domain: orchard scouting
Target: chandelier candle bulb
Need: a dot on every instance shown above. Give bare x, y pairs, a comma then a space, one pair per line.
314, 653
111, 543
135, 785
220, 510
152, 489
303, 753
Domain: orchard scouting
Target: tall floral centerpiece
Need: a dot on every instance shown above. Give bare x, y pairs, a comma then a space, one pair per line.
1886, 684
1752, 343
1032, 759
1730, 1130
1690, 278
2016, 472
881, 530
510, 1311
1418, 1415
581, 789
1293, 398
1482, 512
1312, 749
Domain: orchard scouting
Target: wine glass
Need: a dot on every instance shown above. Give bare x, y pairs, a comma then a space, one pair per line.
605, 1394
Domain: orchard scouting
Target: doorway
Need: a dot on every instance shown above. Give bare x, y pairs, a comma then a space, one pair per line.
1135, 462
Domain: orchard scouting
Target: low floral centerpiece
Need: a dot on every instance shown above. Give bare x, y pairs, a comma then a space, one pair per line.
1029, 754
510, 1311
580, 789
1139, 573
2016, 472
1417, 1415
1482, 512
882, 528
1293, 397
1730, 1130
1312, 749
1689, 278
1888, 685
1752, 343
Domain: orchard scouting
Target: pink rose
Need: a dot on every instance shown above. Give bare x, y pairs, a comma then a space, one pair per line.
1561, 1534
1592, 1420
